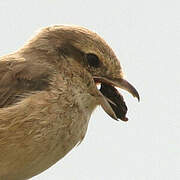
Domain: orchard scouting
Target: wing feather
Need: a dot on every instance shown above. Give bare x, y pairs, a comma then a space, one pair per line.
20, 77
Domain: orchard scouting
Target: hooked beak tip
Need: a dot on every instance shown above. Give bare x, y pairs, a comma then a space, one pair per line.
123, 84
136, 94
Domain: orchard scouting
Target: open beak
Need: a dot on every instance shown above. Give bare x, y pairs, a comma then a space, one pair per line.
112, 101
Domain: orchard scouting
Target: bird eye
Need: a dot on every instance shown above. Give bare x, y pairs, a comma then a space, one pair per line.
93, 60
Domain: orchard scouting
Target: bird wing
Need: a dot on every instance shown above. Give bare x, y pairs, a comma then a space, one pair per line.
21, 77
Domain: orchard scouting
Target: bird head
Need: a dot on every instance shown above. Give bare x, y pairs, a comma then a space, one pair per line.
96, 57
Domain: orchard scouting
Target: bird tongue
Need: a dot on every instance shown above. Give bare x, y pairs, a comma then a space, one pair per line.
116, 100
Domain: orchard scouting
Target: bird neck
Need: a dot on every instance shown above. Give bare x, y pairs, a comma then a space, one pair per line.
80, 84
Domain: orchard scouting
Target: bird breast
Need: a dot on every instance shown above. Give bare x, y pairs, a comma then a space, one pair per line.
42, 129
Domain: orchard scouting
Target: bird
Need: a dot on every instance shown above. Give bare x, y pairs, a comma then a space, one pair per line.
48, 91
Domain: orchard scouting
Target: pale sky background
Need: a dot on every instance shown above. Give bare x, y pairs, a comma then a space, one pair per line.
145, 35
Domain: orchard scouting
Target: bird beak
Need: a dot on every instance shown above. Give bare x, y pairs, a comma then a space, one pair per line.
120, 83
105, 104
113, 102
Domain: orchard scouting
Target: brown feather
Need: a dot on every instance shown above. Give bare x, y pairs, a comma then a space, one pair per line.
18, 78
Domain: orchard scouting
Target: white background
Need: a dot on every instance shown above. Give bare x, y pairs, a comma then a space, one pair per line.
145, 35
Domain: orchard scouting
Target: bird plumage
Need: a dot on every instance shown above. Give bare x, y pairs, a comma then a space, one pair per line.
48, 93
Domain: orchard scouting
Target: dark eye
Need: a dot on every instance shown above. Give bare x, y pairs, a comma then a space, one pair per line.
93, 60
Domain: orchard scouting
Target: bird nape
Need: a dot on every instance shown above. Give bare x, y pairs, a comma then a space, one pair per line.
48, 91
